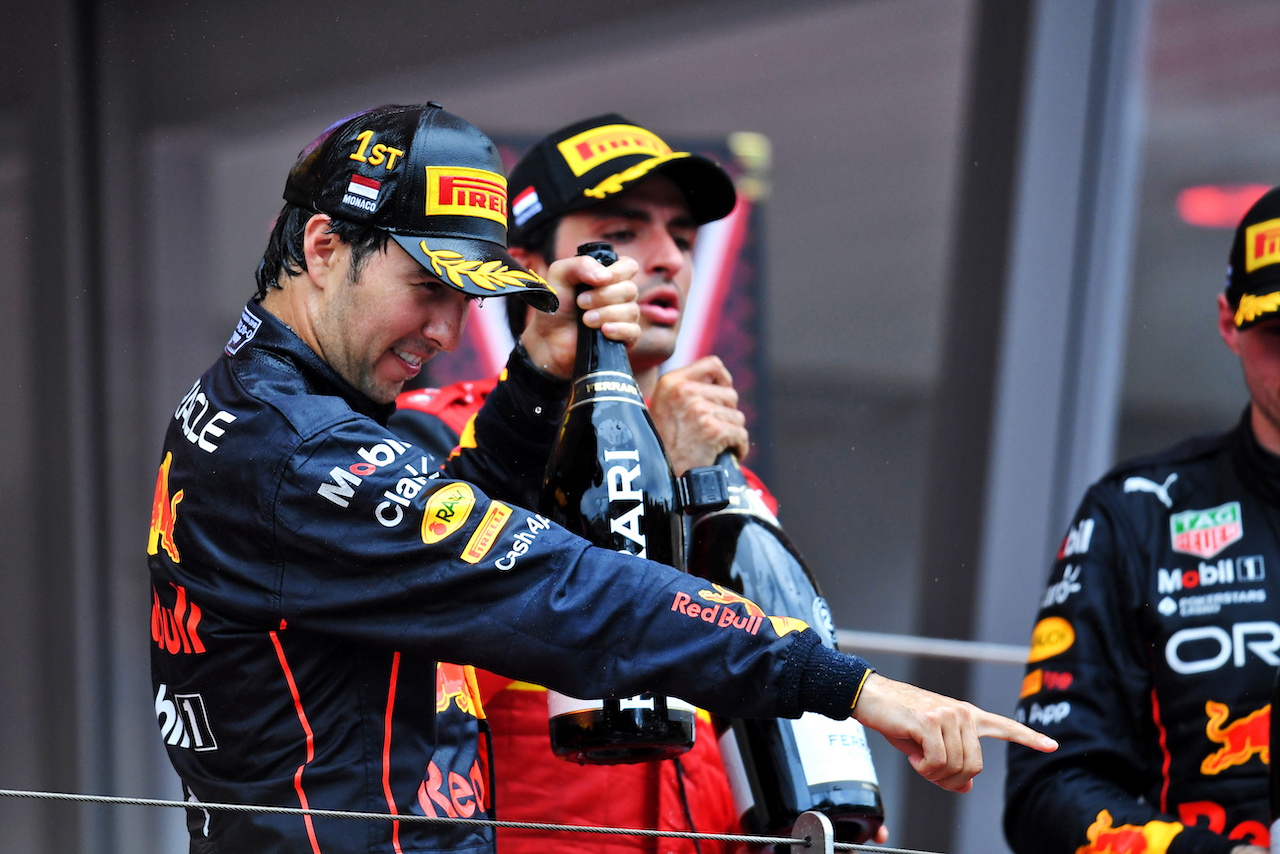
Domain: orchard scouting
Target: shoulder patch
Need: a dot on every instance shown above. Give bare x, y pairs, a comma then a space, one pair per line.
447, 511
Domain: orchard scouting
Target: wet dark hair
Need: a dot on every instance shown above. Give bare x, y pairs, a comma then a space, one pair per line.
542, 241
285, 253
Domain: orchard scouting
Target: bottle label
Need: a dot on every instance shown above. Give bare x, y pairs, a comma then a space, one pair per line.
736, 772
626, 500
833, 751
562, 704
599, 386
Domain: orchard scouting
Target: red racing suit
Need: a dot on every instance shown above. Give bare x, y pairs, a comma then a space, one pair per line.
1153, 658
531, 783
309, 569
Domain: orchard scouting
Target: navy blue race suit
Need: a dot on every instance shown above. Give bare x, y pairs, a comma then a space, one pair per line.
309, 569
1153, 660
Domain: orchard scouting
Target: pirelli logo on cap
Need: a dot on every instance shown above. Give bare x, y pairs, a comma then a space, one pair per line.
486, 532
1261, 245
458, 191
589, 149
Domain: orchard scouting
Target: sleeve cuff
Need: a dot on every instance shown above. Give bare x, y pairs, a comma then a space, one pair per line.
830, 681
542, 384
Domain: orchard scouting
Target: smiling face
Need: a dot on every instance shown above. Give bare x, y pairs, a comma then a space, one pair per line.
378, 327
650, 223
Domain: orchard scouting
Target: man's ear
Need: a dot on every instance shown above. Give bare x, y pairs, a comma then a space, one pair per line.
1227, 324
323, 250
529, 259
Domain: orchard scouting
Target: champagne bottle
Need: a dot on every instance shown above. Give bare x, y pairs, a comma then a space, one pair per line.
609, 480
779, 769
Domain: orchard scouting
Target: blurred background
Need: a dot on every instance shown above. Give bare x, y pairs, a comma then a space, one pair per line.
981, 278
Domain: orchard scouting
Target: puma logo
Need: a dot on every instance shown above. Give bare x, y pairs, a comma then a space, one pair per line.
1159, 490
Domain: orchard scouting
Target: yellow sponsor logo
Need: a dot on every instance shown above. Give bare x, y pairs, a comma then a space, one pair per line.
1032, 683
783, 625
487, 531
1051, 636
446, 512
1261, 245
378, 155
458, 191
1252, 307
599, 145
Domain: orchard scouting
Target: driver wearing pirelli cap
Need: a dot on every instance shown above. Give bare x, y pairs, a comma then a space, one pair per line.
309, 569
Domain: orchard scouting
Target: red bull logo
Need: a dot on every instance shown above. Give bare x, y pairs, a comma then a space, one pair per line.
164, 513
175, 629
1241, 739
725, 596
456, 684
1212, 816
1150, 838
719, 613
459, 797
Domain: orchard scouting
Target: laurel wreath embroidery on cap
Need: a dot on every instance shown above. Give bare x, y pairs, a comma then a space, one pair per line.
615, 183
1254, 306
490, 275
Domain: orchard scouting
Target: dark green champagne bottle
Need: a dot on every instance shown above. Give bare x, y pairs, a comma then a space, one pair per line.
779, 769
609, 480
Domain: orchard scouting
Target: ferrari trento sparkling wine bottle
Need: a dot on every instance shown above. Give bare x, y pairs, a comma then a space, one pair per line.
779, 769
609, 480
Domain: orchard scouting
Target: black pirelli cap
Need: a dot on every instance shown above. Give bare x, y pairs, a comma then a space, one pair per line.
430, 179
590, 161
1253, 271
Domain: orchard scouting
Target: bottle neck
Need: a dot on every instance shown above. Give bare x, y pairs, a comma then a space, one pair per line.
728, 460
596, 352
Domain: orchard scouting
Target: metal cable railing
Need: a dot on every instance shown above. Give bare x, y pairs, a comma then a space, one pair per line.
815, 827
976, 651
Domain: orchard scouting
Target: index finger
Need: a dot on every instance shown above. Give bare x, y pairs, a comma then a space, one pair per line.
991, 725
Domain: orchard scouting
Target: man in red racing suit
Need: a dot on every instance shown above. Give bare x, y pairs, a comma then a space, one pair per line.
653, 219
1155, 650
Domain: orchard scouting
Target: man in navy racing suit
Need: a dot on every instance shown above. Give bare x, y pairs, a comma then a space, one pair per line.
309, 569
1155, 650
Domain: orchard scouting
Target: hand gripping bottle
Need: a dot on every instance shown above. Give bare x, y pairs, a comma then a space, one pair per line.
781, 768
609, 480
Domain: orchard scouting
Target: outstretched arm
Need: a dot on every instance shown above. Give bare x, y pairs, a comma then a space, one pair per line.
939, 735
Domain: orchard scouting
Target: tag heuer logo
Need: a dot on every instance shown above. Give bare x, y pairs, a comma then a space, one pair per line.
1204, 533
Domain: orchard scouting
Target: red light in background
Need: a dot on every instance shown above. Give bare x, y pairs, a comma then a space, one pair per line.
1218, 205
